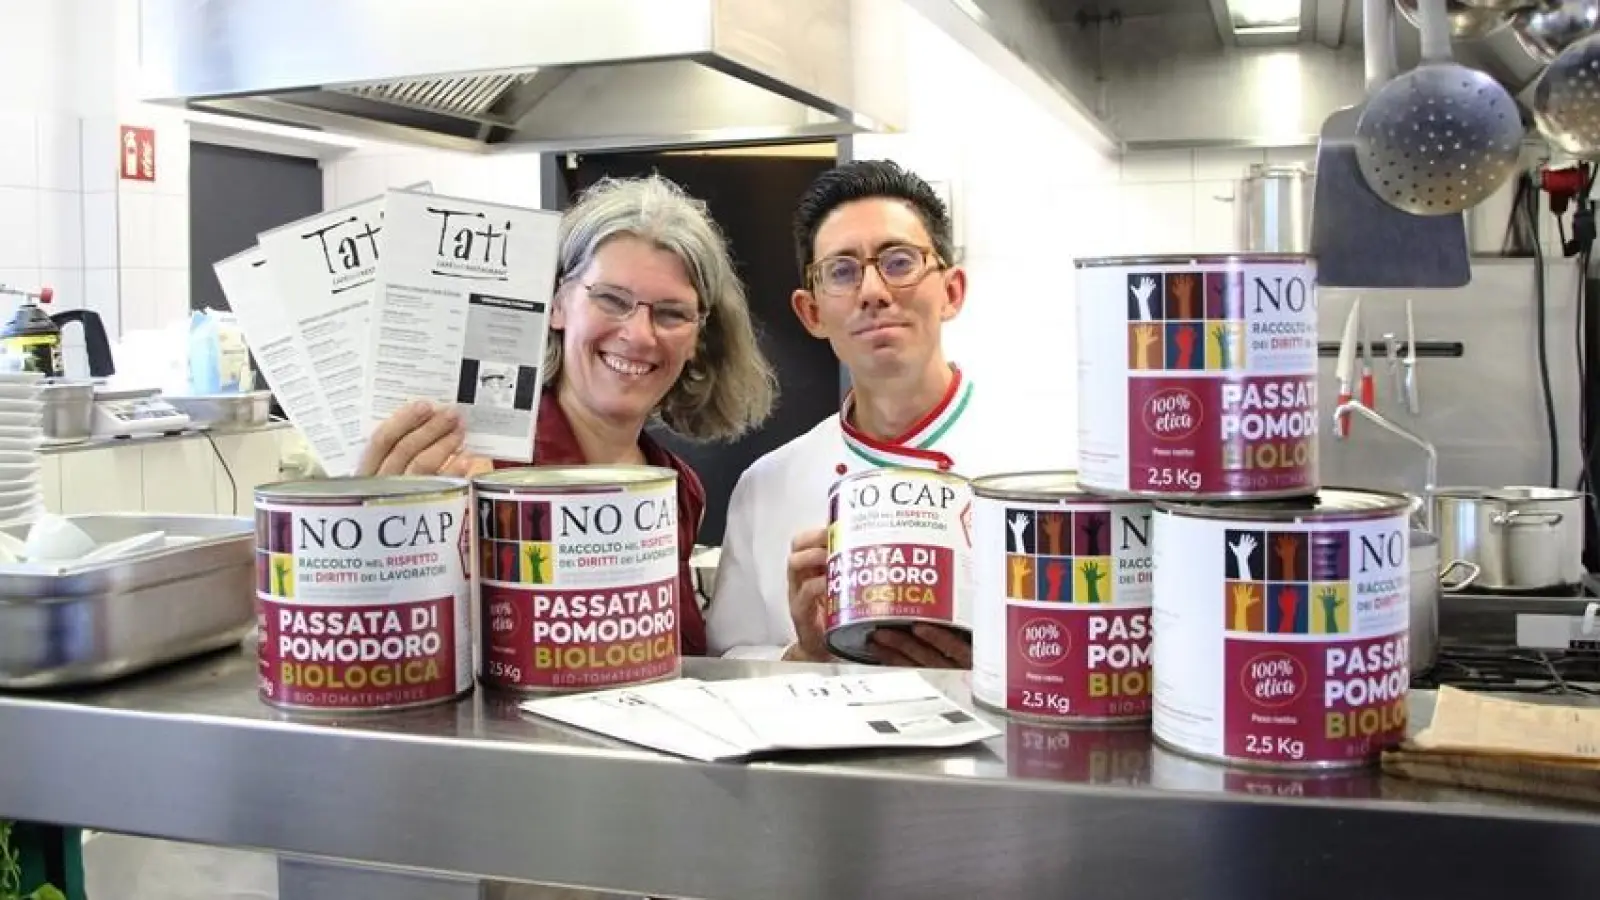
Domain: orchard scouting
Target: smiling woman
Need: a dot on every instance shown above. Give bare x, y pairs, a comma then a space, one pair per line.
649, 320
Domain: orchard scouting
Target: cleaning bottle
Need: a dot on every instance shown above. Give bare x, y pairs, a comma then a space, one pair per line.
32, 335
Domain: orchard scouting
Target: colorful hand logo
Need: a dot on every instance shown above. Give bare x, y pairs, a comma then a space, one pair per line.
1021, 567
1184, 338
1053, 573
1051, 523
1144, 338
1330, 610
1224, 341
1241, 555
1244, 597
1091, 531
1092, 576
1019, 527
1142, 292
1284, 547
1183, 292
1288, 602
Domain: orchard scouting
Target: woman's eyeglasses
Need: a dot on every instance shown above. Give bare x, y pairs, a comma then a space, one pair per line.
666, 316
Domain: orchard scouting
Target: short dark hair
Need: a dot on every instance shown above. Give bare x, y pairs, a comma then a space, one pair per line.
864, 180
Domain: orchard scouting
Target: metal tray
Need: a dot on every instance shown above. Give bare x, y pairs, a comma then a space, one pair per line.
63, 626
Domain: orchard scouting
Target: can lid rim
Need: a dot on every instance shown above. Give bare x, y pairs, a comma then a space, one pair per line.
1194, 259
361, 487
1357, 503
575, 476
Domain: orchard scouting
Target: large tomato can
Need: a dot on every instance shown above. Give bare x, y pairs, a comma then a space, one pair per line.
1061, 630
1197, 376
363, 593
899, 554
578, 577
1281, 629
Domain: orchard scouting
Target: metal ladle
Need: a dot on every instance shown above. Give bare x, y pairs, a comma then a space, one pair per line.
1430, 478
1441, 138
1566, 99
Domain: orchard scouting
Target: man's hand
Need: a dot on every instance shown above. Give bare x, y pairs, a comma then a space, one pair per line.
421, 439
925, 646
808, 596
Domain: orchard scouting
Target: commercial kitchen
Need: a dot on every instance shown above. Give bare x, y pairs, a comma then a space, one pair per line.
1078, 143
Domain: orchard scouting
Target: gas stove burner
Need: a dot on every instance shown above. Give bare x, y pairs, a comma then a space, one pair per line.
1514, 670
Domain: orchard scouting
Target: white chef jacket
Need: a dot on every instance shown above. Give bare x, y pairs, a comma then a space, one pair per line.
785, 492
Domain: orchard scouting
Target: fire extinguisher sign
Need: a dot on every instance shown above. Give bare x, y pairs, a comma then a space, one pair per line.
138, 156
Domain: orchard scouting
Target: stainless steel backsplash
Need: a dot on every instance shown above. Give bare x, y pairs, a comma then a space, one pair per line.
1484, 411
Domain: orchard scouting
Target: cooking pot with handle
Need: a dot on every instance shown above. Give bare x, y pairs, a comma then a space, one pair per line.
1521, 537
1428, 581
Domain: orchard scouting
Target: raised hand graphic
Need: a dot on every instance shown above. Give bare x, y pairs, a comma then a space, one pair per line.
536, 565
1051, 524
1184, 338
1092, 526
1021, 567
1330, 610
1053, 573
1144, 337
280, 568
1284, 547
1019, 527
1092, 576
1142, 292
1224, 347
1183, 291
1244, 597
1241, 555
1288, 602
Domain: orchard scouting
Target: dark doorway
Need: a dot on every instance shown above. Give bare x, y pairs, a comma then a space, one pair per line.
752, 198
235, 195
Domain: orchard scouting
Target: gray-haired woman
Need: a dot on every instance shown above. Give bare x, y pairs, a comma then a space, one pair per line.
649, 319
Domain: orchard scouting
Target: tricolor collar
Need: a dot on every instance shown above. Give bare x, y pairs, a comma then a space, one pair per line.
914, 448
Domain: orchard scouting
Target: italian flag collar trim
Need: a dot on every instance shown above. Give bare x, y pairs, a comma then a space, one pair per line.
914, 449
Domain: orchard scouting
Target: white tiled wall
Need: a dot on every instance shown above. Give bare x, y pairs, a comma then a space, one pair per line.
511, 178
117, 247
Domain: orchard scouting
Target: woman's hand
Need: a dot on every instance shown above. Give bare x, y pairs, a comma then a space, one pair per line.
421, 439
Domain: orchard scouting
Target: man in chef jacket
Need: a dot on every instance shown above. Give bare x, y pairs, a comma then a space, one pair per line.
878, 283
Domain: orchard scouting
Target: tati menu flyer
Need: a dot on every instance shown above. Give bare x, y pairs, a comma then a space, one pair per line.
405, 296
460, 315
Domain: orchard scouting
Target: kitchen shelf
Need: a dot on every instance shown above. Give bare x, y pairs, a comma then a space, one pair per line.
477, 789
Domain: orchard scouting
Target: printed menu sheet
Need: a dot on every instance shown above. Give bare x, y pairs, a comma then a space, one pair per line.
253, 296
460, 314
731, 720
326, 268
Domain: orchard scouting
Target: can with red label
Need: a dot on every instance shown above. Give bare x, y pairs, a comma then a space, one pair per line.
1061, 627
1197, 376
578, 577
1282, 629
899, 553
363, 593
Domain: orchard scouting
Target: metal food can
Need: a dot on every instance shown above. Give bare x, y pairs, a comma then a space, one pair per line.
899, 553
1197, 376
578, 577
363, 593
1061, 629
1282, 629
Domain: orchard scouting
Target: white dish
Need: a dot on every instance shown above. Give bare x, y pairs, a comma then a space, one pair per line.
22, 419
12, 473
21, 433
31, 407
11, 513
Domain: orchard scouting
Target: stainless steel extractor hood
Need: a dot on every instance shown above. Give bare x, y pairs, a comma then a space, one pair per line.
534, 74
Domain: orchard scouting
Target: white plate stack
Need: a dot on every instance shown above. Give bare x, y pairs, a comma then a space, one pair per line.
21, 433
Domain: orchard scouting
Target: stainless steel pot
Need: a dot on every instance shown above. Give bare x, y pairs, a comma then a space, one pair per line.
1428, 581
1523, 538
1275, 209
68, 409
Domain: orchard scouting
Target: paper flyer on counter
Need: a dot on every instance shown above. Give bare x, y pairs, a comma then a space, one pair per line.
326, 269
252, 295
460, 315
730, 720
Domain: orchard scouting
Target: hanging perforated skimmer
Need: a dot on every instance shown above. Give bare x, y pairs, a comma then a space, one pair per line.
1441, 138
1566, 99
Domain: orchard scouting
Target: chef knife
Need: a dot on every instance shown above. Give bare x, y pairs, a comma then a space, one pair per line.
1345, 368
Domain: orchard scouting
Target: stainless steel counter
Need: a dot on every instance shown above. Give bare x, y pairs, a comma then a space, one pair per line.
100, 442
475, 788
